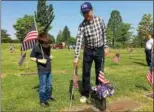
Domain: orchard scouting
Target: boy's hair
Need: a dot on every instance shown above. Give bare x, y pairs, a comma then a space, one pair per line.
43, 38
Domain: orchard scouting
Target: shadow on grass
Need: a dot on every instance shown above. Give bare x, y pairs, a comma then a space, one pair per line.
36, 87
137, 59
140, 63
142, 87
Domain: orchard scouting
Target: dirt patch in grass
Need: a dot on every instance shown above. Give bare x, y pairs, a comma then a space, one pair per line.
121, 105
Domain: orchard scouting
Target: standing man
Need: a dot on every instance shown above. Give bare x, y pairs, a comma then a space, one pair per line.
148, 49
92, 30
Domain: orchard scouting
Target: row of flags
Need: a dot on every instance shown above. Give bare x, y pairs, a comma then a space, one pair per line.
149, 75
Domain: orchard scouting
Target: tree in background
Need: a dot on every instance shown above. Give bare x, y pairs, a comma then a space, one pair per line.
60, 38
15, 41
145, 27
72, 41
66, 35
5, 37
44, 16
51, 38
136, 41
109, 35
22, 26
113, 25
123, 33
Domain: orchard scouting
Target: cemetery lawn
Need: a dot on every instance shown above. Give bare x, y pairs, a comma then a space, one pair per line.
19, 93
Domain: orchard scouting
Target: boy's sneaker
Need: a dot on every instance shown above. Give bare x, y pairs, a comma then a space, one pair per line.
44, 104
51, 99
83, 99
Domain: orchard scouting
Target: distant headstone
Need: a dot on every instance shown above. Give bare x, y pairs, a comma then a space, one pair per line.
151, 95
12, 49
22, 59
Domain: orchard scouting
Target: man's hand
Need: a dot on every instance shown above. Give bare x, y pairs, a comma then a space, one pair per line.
106, 51
75, 62
43, 61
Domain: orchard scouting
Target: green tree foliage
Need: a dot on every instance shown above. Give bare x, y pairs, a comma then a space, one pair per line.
72, 41
66, 35
123, 33
22, 26
145, 27
113, 25
52, 39
60, 37
44, 16
5, 37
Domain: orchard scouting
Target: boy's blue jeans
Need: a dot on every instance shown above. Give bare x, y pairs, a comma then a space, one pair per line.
45, 89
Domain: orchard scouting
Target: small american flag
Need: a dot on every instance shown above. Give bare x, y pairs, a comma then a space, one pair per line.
30, 39
102, 79
75, 78
150, 77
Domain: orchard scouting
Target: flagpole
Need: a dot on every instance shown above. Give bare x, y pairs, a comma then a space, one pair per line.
27, 62
37, 31
35, 21
152, 65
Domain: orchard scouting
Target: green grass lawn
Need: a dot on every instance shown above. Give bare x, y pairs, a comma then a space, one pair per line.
19, 92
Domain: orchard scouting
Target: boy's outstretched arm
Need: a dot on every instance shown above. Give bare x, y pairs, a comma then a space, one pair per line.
33, 57
43, 61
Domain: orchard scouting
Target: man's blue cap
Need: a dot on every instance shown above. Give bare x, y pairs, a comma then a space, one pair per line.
85, 7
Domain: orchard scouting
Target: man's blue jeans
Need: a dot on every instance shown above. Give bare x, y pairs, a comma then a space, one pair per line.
45, 89
89, 56
148, 56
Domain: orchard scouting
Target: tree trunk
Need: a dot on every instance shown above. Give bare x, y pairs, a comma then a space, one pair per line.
113, 43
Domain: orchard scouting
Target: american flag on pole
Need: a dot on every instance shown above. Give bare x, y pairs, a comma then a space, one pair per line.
75, 78
150, 77
30, 39
116, 59
102, 79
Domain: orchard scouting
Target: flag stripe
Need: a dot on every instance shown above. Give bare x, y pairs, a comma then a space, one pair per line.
30, 39
102, 80
32, 32
31, 35
28, 45
150, 77
101, 76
